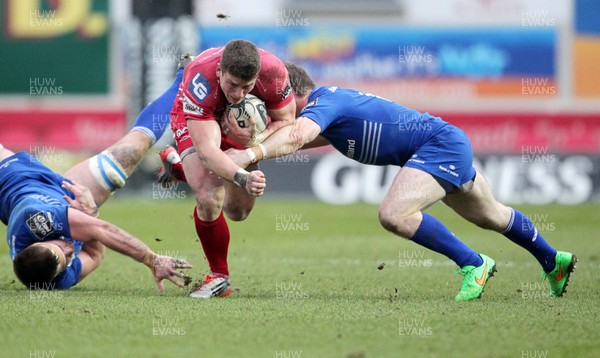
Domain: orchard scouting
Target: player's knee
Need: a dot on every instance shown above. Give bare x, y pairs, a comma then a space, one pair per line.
209, 207
208, 202
237, 213
238, 208
107, 171
395, 222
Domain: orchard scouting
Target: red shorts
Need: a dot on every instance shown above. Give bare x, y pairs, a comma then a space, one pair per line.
184, 141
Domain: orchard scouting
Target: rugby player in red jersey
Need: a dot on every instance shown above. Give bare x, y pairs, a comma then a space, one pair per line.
216, 77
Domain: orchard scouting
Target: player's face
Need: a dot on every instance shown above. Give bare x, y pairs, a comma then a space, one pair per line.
234, 88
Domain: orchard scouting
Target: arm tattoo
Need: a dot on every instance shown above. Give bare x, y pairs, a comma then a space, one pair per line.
241, 178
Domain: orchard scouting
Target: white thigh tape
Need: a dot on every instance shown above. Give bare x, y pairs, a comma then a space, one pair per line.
107, 171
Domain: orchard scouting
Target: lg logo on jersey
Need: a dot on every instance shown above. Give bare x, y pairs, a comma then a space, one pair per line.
199, 86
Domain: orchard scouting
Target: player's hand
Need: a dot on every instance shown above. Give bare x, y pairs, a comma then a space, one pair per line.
239, 157
165, 267
247, 137
164, 176
256, 138
84, 200
256, 183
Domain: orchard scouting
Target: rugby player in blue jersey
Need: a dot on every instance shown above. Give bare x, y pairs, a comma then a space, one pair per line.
437, 164
54, 236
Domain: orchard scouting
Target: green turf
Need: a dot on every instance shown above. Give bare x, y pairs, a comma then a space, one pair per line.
307, 284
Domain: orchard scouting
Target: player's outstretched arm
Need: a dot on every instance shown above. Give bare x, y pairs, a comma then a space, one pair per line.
284, 141
88, 229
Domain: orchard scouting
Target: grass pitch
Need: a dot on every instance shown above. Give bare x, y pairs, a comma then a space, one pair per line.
313, 280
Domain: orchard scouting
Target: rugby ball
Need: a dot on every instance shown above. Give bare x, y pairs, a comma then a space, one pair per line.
239, 114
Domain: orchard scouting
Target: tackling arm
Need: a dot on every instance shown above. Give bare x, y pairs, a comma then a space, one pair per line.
280, 118
89, 229
286, 140
320, 141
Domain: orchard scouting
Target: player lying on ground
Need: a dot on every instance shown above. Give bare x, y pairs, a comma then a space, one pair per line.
219, 76
52, 241
437, 164
54, 237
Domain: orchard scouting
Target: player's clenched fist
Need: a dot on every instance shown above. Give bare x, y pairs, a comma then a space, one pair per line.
254, 182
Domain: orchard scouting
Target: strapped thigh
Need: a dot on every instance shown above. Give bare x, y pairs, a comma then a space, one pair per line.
107, 171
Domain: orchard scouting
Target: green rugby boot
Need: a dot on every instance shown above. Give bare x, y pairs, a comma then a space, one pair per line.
559, 277
475, 278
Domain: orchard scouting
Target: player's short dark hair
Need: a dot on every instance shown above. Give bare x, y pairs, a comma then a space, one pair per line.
35, 266
241, 59
300, 81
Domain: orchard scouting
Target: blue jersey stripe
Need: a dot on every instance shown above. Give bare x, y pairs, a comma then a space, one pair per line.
377, 144
362, 147
370, 148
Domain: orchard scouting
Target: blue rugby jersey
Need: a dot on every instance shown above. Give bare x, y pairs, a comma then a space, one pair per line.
369, 128
34, 210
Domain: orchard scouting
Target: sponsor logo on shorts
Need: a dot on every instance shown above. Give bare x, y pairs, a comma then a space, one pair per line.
449, 170
40, 224
414, 159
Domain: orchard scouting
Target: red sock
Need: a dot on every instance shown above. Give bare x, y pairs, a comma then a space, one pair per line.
214, 237
177, 172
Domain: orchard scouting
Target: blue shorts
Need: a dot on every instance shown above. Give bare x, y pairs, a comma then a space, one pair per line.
448, 156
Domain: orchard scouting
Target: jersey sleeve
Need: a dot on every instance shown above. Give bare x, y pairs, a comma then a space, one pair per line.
322, 110
70, 276
37, 223
273, 85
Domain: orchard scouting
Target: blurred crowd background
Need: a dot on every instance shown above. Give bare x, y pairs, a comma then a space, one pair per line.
521, 77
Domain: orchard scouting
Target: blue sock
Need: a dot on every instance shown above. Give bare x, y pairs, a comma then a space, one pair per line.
154, 119
522, 232
433, 235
